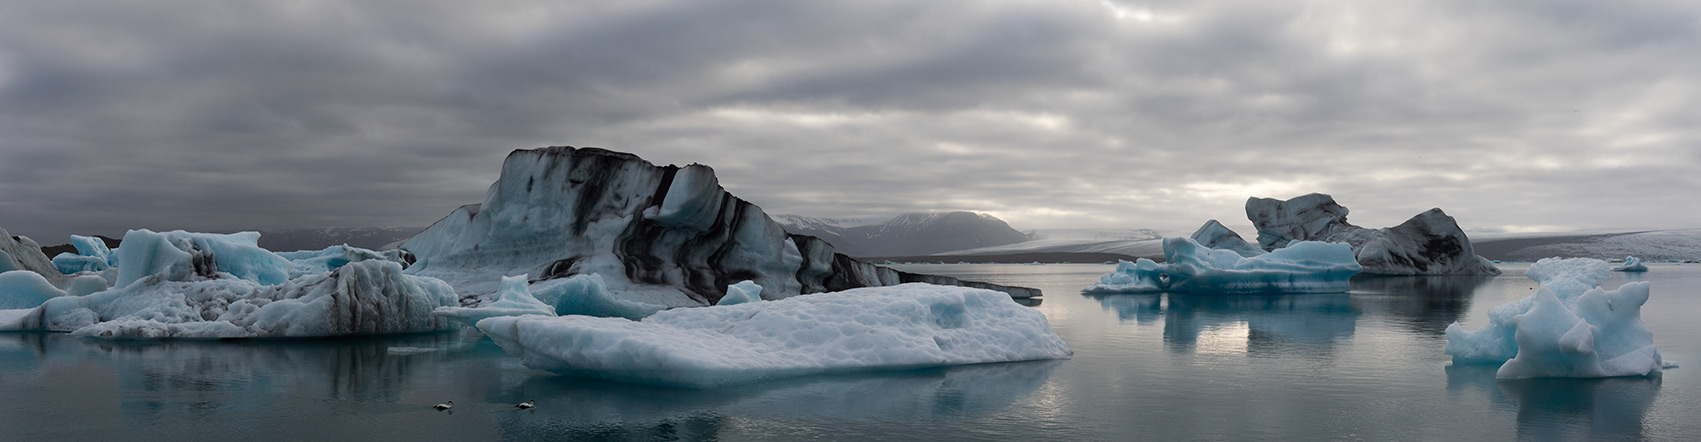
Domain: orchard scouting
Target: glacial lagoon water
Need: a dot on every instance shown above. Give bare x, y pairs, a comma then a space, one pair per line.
1365, 365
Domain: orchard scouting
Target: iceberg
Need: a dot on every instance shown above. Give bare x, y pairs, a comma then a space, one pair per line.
92, 256
657, 236
21, 253
513, 299
1217, 236
198, 285
1571, 327
1190, 267
1430, 243
1631, 264
884, 328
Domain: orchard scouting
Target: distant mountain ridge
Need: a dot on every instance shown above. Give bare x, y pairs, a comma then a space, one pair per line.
907, 234
319, 238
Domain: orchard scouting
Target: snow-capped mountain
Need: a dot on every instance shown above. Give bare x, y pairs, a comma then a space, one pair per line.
908, 234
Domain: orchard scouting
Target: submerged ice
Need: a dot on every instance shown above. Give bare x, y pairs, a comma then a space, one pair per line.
1571, 327
904, 326
1192, 267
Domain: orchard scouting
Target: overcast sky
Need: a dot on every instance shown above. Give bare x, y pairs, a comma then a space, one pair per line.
1513, 115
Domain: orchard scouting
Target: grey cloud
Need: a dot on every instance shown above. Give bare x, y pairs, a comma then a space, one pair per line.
1051, 114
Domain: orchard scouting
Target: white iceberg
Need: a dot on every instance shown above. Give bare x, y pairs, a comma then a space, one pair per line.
197, 285
1302, 267
1631, 264
513, 299
898, 327
1571, 327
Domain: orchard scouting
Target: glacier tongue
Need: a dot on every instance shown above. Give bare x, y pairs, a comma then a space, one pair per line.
1429, 243
904, 326
659, 237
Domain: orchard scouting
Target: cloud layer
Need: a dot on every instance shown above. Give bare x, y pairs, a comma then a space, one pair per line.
229, 115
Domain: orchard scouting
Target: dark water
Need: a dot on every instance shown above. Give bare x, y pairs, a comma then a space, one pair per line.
1361, 366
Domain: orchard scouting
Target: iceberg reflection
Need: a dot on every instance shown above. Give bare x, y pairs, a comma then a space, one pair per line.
1561, 409
1264, 323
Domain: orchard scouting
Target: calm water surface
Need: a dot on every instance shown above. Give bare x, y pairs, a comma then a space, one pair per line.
1367, 365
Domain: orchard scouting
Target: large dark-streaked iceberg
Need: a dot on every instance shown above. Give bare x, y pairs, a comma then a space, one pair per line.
1430, 243
660, 236
1571, 327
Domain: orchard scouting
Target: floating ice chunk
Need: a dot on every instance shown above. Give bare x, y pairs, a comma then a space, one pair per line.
369, 297
588, 295
746, 291
22, 289
179, 254
1568, 328
333, 257
1302, 267
513, 299
1631, 264
92, 256
905, 326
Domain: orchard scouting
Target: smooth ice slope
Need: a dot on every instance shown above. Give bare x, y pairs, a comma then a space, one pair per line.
514, 299
1570, 327
589, 295
1303, 267
1631, 264
22, 289
743, 292
905, 326
1217, 236
1430, 243
21, 253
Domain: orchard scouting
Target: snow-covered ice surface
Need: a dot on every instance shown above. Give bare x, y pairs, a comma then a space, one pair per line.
1189, 267
1430, 243
1571, 327
1631, 264
199, 285
897, 327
